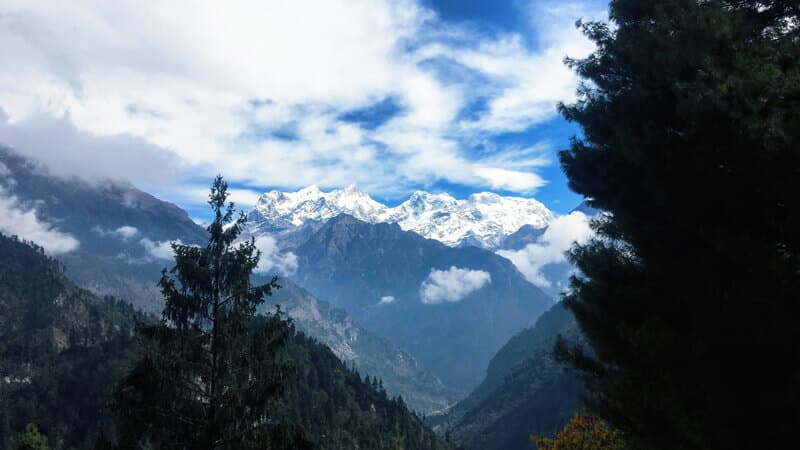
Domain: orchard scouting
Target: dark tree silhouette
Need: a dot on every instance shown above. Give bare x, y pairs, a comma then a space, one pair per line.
213, 374
691, 122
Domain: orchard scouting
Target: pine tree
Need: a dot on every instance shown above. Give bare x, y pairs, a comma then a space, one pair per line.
688, 300
214, 371
31, 439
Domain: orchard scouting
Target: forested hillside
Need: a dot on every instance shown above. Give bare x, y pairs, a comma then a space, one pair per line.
63, 351
526, 390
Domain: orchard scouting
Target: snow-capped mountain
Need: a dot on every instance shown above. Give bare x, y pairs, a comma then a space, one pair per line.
483, 219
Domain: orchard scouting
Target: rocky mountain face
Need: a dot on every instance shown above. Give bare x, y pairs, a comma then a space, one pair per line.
371, 354
483, 219
450, 307
526, 391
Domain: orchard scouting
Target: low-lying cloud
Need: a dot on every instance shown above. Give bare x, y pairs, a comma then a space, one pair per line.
124, 233
273, 260
452, 285
159, 249
550, 247
24, 223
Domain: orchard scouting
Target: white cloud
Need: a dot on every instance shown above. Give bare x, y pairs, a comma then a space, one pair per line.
125, 232
273, 260
187, 89
386, 299
550, 247
23, 222
159, 249
452, 285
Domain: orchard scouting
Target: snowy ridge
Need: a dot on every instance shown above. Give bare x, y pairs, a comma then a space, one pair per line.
483, 219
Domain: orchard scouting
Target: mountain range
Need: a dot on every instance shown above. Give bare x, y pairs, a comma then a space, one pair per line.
121, 241
425, 315
483, 219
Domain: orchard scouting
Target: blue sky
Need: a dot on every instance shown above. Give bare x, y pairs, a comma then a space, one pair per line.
393, 96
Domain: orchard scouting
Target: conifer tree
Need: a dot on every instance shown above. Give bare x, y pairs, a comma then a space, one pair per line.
689, 295
214, 371
31, 439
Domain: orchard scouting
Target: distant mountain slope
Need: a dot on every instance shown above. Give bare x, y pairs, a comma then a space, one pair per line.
525, 390
483, 219
122, 231
376, 272
63, 350
373, 355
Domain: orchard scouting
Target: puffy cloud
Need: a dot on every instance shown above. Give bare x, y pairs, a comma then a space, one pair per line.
550, 247
260, 92
386, 299
23, 222
159, 249
125, 232
452, 285
273, 260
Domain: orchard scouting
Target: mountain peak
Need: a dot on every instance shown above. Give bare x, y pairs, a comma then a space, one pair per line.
483, 219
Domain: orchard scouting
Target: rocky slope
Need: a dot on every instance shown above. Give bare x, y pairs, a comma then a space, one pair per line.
371, 354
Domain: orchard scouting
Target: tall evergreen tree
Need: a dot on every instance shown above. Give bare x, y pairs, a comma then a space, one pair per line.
213, 374
691, 123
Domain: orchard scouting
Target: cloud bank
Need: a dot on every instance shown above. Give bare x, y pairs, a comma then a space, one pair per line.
550, 247
452, 285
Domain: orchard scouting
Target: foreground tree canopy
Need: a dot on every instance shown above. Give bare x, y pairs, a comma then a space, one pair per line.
691, 118
213, 375
583, 432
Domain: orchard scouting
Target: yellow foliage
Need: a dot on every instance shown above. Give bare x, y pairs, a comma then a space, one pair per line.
583, 432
